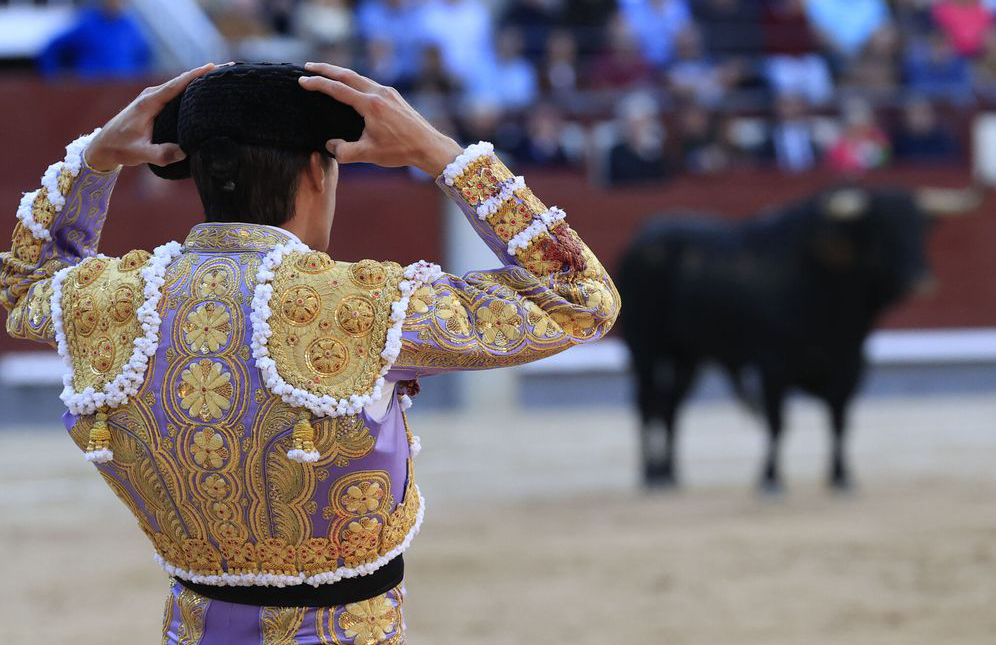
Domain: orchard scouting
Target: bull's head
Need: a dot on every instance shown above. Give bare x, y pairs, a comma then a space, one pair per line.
875, 239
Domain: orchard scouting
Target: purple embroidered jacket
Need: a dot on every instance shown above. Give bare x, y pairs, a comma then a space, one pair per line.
243, 395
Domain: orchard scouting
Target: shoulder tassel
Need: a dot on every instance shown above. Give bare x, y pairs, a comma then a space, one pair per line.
98, 448
303, 447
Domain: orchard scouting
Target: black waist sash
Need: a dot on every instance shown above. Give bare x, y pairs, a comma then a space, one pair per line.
342, 592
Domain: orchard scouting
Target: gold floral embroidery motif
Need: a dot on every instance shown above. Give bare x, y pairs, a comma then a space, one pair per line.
499, 323
365, 497
133, 260
208, 449
360, 540
279, 624
368, 274
193, 607
101, 324
300, 305
214, 284
512, 218
330, 324
421, 300
454, 315
233, 237
168, 615
327, 357
315, 262
205, 389
355, 315
369, 622
482, 180
207, 328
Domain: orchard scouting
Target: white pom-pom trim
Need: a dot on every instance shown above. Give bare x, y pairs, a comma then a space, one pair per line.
405, 401
523, 238
491, 205
101, 456
50, 181
302, 456
416, 275
126, 383
280, 580
459, 165
552, 216
415, 446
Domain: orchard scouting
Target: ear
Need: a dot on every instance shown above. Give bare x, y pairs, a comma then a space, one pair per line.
316, 171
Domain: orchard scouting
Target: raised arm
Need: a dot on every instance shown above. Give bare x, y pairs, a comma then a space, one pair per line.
59, 224
552, 293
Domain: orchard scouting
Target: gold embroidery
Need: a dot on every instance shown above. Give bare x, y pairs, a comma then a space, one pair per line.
499, 323
300, 305
368, 274
355, 315
234, 237
101, 324
168, 615
453, 314
329, 326
327, 357
205, 390
215, 284
359, 541
209, 449
133, 260
481, 180
279, 624
314, 262
207, 328
369, 622
363, 498
193, 607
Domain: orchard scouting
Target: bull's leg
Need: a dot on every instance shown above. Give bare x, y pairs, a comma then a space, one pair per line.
672, 381
774, 405
840, 476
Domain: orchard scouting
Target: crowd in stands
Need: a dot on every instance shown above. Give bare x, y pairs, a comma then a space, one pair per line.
647, 89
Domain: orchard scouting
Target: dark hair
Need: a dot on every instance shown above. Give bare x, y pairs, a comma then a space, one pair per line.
241, 183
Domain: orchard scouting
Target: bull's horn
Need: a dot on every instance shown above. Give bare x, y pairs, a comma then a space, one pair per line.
948, 202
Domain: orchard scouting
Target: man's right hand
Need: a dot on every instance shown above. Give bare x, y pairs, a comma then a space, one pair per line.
126, 140
394, 134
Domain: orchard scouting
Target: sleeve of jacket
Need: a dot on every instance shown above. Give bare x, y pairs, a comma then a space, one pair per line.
551, 294
58, 225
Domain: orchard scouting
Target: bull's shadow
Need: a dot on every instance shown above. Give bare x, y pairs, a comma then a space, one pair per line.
781, 301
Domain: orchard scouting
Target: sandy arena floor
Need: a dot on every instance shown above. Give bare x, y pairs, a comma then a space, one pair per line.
536, 533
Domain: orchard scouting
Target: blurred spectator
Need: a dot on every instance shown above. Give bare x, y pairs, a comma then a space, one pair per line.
543, 143
432, 78
730, 28
639, 155
984, 73
793, 65
279, 14
934, 69
847, 25
791, 144
875, 73
587, 19
965, 22
462, 31
323, 22
912, 17
657, 24
384, 66
695, 78
535, 20
559, 73
392, 21
104, 41
921, 137
621, 65
511, 80
862, 144
481, 119
699, 143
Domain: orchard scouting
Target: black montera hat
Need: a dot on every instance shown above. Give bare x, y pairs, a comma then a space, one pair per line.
252, 104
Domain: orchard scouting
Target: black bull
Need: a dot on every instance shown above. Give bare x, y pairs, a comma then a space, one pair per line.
783, 301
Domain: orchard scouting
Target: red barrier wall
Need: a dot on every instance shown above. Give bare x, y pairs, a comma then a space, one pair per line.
390, 216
